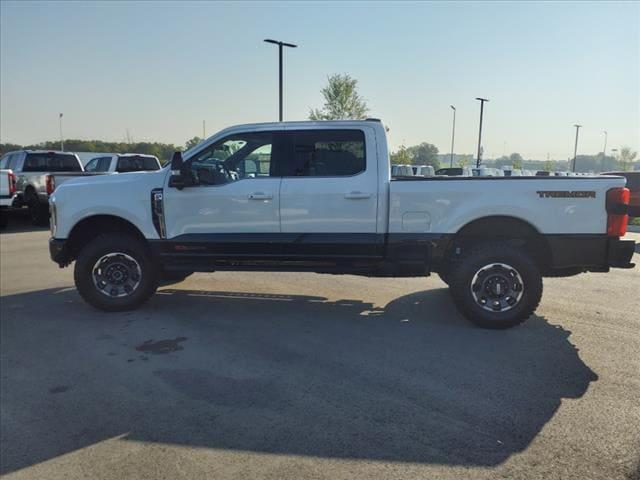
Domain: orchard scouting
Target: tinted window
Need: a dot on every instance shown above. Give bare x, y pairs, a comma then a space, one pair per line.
452, 172
326, 153
100, 164
237, 157
92, 165
136, 164
633, 179
3, 162
51, 162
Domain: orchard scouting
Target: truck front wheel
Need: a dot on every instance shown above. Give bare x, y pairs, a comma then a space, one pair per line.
38, 212
114, 272
495, 285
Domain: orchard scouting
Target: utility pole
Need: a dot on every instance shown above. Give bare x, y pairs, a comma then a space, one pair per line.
482, 100
280, 45
575, 148
61, 139
604, 150
453, 134
204, 130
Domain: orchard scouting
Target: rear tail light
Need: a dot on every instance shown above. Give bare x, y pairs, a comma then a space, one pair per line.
13, 183
617, 206
50, 184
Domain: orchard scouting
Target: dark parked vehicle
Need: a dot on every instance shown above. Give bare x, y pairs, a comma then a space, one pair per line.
633, 184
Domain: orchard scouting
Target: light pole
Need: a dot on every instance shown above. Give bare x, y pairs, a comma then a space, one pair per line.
453, 134
280, 45
575, 148
604, 150
60, 126
482, 100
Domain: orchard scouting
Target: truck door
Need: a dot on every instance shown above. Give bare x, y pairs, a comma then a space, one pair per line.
235, 201
328, 196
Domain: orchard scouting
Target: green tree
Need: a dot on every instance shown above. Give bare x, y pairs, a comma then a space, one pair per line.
502, 161
464, 160
626, 158
516, 160
192, 143
401, 156
9, 147
424, 154
341, 100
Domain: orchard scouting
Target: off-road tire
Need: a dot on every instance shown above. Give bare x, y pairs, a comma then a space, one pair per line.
472, 261
38, 212
111, 243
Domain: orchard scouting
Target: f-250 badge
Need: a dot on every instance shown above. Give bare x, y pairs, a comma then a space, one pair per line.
566, 194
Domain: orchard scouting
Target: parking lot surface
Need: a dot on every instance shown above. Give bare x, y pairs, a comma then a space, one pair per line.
304, 376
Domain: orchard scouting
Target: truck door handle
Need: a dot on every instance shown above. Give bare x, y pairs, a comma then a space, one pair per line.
357, 195
260, 196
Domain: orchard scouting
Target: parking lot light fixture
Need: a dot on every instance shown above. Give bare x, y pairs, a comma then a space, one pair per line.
575, 148
280, 45
453, 134
478, 161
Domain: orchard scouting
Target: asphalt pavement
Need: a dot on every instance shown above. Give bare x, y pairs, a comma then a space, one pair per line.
305, 376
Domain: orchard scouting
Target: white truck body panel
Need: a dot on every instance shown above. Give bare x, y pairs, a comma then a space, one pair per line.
126, 196
449, 204
317, 205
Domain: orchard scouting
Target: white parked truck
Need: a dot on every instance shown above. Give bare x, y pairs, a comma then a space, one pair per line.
123, 163
7, 194
33, 170
318, 197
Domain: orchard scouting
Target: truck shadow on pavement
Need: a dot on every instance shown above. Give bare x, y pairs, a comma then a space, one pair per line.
280, 374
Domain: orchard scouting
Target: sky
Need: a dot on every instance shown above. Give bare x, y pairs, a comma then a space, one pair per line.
158, 69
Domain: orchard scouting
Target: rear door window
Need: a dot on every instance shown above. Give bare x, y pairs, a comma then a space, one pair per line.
51, 162
326, 153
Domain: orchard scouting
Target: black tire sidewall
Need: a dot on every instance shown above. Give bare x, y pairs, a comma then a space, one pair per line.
110, 243
38, 212
462, 276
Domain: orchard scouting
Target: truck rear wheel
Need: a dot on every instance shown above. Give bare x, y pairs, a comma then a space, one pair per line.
495, 285
114, 272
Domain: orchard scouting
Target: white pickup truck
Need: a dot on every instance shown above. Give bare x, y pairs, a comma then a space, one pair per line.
123, 163
7, 194
318, 197
34, 170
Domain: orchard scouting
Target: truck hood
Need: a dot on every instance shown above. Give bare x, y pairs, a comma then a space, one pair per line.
126, 180
123, 195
